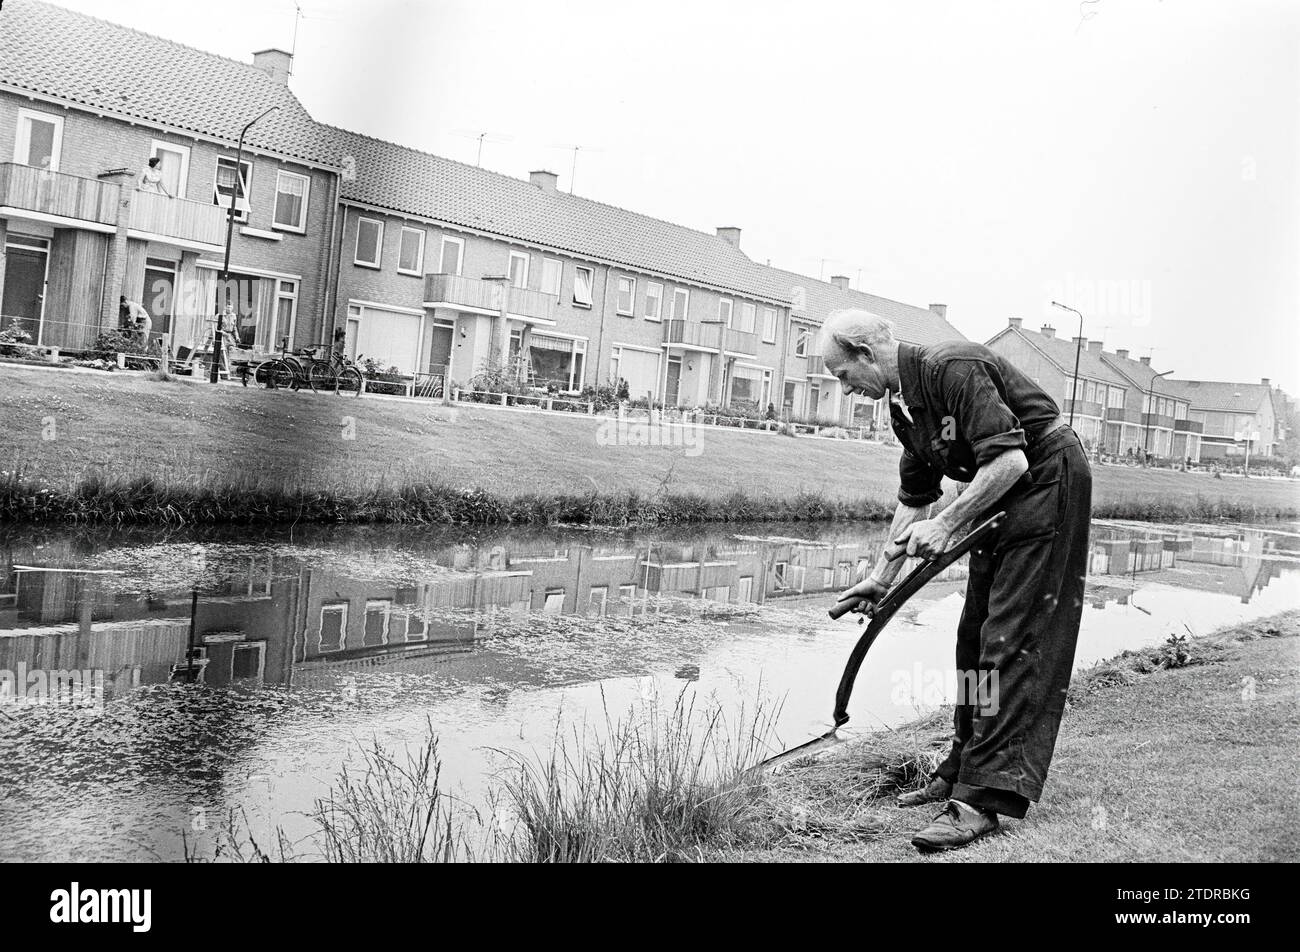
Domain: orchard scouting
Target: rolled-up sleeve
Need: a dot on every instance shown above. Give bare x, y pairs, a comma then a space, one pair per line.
919, 483
982, 416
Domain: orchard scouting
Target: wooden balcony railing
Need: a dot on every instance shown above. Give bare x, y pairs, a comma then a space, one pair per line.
178, 218
1123, 415
739, 342
454, 291
1086, 408
1158, 420
692, 334
1189, 426
58, 193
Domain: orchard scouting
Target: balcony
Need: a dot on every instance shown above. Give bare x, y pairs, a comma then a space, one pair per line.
1158, 420
61, 198
1122, 415
1087, 408
178, 221
692, 335
739, 342
477, 296
1189, 426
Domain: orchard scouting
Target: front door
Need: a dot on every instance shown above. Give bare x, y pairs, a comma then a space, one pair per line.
440, 349
160, 295
674, 381
24, 290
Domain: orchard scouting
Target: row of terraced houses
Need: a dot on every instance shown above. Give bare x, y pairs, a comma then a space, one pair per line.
427, 265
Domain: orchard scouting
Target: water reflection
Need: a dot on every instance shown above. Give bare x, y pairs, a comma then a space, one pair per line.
304, 645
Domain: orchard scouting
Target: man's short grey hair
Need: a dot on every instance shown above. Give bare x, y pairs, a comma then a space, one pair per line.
854, 327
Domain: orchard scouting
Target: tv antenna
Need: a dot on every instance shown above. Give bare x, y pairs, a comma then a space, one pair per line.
482, 137
573, 168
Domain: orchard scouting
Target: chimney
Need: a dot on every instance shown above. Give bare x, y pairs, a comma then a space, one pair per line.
941, 310
1122, 354
1081, 342
732, 237
1095, 346
546, 181
1015, 322
1263, 381
840, 281
1146, 361
275, 63
1047, 330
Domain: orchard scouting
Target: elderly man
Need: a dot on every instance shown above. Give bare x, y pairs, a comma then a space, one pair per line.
964, 412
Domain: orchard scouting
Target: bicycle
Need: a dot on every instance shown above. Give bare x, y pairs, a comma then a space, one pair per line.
334, 372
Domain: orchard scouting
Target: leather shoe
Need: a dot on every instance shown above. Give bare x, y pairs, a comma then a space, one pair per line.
958, 825
936, 790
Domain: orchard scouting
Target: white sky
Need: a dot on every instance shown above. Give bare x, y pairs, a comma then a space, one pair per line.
1138, 159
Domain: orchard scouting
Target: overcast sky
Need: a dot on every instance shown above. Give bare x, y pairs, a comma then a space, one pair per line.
1139, 160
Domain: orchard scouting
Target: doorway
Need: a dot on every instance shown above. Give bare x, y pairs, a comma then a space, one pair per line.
160, 293
26, 261
674, 385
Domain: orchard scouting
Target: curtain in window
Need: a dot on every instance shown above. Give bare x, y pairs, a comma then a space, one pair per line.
288, 201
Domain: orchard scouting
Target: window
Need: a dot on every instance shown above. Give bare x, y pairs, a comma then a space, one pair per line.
748, 385
38, 139
370, 242
552, 272
747, 312
1115, 397
291, 191
333, 626
174, 162
519, 269
769, 325
681, 303
554, 604
627, 296
745, 590
801, 342
228, 185
377, 612
596, 604
654, 301
582, 280
410, 253
724, 311
557, 360
453, 255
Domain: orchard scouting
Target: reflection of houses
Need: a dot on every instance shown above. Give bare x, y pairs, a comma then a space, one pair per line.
1231, 561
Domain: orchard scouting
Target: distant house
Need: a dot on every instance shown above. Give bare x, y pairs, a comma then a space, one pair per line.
83, 105
1164, 423
1237, 418
807, 390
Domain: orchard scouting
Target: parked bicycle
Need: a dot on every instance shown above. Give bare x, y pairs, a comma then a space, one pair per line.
307, 367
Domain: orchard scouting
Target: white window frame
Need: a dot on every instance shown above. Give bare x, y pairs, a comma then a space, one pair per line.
301, 227
802, 338
379, 244
162, 145
419, 257
591, 286
241, 210
510, 270
372, 604
23, 137
686, 307
748, 307
658, 296
460, 254
343, 626
282, 295
631, 296
729, 306
559, 275
769, 322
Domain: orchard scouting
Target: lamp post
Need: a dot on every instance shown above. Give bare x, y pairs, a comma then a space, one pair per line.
230, 232
1150, 404
1078, 347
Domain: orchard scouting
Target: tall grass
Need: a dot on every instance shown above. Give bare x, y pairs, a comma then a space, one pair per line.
95, 497
658, 785
1152, 508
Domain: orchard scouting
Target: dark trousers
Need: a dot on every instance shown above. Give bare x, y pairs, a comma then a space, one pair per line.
1018, 630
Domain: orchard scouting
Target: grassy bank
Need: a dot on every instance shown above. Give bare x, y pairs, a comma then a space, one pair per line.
1181, 752
123, 449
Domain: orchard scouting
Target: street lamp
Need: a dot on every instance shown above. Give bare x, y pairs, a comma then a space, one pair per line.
1078, 346
230, 232
1151, 405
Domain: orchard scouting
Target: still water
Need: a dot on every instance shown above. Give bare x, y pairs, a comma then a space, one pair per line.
155, 683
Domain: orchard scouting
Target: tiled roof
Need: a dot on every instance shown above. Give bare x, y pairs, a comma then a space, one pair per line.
915, 325
88, 62
1216, 395
1136, 371
1061, 352
405, 180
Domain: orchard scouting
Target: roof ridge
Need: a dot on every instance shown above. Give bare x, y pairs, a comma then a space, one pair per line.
879, 297
518, 181
138, 32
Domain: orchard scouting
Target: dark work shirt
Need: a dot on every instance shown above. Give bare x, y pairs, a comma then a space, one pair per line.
969, 405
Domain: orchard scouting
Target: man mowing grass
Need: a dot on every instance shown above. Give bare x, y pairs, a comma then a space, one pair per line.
962, 411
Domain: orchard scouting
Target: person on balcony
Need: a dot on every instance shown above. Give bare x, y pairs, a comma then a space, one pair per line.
151, 178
